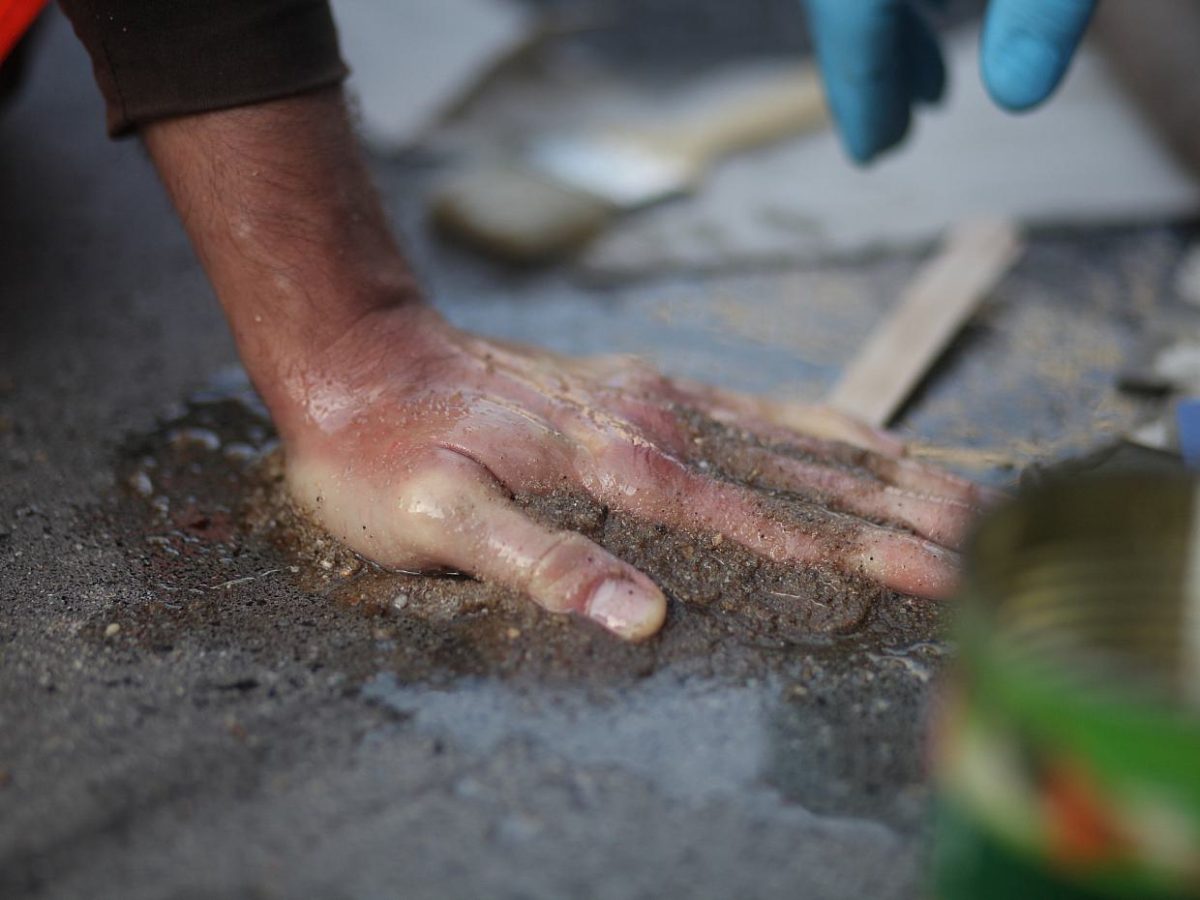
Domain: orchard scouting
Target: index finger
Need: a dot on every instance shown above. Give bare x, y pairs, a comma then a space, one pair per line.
1028, 45
869, 68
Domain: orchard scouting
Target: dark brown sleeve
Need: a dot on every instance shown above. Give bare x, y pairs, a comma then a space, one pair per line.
160, 58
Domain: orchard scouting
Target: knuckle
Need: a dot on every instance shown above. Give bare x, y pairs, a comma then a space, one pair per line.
619, 465
653, 421
436, 503
437, 479
563, 576
646, 462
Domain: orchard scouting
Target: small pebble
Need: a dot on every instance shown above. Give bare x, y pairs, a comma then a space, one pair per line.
239, 452
141, 483
194, 437
112, 630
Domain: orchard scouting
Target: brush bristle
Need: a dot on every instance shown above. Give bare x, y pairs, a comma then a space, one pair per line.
517, 215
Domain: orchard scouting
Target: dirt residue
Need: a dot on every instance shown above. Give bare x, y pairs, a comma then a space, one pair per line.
227, 561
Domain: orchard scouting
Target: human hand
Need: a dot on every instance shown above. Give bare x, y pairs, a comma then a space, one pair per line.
408, 439
880, 59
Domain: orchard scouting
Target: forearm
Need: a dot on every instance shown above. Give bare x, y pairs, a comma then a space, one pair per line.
284, 219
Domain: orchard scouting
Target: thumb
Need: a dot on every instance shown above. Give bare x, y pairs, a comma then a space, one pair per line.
1027, 47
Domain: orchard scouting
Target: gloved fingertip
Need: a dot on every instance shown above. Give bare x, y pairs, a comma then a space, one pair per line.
871, 123
1022, 70
865, 149
857, 125
861, 148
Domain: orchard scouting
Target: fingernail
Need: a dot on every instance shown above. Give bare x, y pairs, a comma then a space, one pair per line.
627, 609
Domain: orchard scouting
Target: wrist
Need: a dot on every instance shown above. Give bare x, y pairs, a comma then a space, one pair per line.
288, 338
284, 219
318, 392
281, 306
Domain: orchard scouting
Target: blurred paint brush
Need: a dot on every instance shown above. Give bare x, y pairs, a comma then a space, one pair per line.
567, 189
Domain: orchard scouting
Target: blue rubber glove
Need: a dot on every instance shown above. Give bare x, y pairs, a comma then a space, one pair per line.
880, 59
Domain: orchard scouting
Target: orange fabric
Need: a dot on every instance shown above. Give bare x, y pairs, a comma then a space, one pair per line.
15, 18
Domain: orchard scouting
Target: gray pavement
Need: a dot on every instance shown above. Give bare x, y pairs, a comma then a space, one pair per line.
244, 731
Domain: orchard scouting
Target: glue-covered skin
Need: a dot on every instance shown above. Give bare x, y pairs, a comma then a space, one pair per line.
880, 61
409, 438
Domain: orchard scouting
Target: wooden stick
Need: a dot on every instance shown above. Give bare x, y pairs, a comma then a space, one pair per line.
932, 310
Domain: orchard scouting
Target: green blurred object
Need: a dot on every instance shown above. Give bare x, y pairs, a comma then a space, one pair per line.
1068, 752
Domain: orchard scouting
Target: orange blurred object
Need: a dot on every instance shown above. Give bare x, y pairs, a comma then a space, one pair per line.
15, 18
1082, 829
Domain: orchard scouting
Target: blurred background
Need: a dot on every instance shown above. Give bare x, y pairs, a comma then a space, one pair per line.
771, 271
